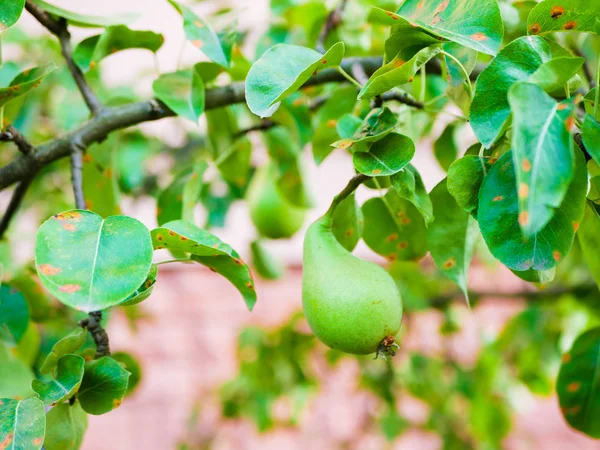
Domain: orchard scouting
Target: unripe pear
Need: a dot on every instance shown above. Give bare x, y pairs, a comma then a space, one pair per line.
351, 304
273, 216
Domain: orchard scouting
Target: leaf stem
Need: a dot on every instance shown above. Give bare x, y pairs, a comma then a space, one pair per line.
168, 261
349, 77
352, 185
462, 68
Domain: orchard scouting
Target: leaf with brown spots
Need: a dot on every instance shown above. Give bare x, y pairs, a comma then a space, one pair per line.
25, 82
348, 223
385, 157
104, 381
499, 220
564, 15
578, 384
22, 424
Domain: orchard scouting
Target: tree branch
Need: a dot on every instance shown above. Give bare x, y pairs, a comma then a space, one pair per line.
334, 19
77, 176
266, 124
15, 203
94, 325
60, 30
11, 134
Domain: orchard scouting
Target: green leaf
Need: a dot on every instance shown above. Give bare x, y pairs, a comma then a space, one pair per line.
476, 24
66, 425
408, 184
385, 157
394, 228
281, 71
396, 73
22, 424
348, 223
145, 290
15, 375
85, 20
10, 12
452, 72
25, 82
589, 239
209, 250
577, 384
498, 219
234, 163
554, 74
202, 36
69, 373
131, 365
100, 186
445, 148
14, 315
543, 153
465, 176
103, 387
566, 15
292, 184
590, 134
92, 50
451, 237
67, 345
265, 264
180, 198
518, 61
183, 92
79, 254
340, 102
376, 125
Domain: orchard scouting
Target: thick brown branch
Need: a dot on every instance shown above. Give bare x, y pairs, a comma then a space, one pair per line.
11, 134
94, 325
60, 30
15, 203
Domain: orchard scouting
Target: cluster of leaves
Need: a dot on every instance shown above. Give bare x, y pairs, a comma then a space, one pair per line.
529, 185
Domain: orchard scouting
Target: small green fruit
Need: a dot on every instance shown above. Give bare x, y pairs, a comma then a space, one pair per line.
351, 304
273, 216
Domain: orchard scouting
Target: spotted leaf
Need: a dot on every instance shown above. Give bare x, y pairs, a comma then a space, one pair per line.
100, 185
208, 250
408, 184
22, 424
145, 290
375, 126
563, 15
386, 156
578, 381
91, 253
69, 373
281, 71
498, 217
542, 152
10, 12
25, 82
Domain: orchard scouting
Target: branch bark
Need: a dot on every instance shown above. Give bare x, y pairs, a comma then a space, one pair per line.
15, 204
11, 134
334, 19
77, 175
94, 325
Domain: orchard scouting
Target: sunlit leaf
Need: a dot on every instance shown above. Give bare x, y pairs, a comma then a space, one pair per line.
566, 15
10, 12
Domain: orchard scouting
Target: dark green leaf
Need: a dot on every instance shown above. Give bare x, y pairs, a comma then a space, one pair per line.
14, 315
451, 237
67, 345
69, 373
590, 133
348, 223
454, 75
554, 74
25, 82
376, 125
396, 73
589, 238
92, 50
394, 228
281, 71
265, 264
577, 384
475, 24
465, 176
543, 153
10, 12
202, 36
408, 184
445, 148
385, 157
566, 15
209, 250
131, 365
103, 387
22, 424
66, 427
498, 219
145, 290
183, 92
79, 254
85, 20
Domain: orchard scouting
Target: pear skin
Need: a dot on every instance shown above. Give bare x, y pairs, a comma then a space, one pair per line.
351, 304
273, 216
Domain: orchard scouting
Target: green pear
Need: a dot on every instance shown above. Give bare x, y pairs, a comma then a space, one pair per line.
273, 216
351, 304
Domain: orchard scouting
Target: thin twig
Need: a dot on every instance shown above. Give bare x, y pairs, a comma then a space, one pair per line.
334, 19
14, 205
352, 185
11, 134
400, 97
77, 176
60, 30
266, 124
94, 325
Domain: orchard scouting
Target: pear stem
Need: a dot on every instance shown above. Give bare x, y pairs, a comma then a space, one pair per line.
352, 185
